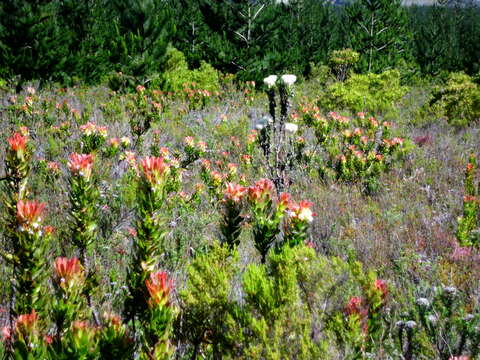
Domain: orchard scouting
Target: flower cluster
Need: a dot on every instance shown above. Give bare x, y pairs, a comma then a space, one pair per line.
93, 136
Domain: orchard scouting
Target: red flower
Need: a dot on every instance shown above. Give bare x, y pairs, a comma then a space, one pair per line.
29, 213
81, 164
155, 169
68, 269
381, 286
260, 191
159, 288
355, 306
235, 192
27, 321
17, 142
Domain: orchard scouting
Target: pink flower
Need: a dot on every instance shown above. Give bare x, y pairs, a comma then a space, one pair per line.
301, 211
260, 191
27, 322
6, 333
81, 165
382, 287
355, 306
235, 192
68, 270
29, 214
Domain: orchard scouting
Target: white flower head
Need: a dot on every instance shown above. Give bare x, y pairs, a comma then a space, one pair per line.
306, 214
270, 80
289, 79
291, 127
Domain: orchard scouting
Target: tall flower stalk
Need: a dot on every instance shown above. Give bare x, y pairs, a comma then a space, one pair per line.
468, 222
28, 256
266, 215
147, 247
273, 138
26, 238
83, 200
232, 202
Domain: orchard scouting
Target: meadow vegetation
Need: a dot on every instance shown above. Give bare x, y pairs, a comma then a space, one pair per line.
194, 213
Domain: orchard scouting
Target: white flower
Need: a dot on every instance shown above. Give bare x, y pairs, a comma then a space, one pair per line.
291, 127
270, 80
306, 214
289, 79
285, 2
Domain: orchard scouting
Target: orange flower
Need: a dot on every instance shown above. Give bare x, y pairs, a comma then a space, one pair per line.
159, 288
469, 198
29, 214
81, 164
155, 169
235, 192
260, 191
17, 142
68, 269
27, 322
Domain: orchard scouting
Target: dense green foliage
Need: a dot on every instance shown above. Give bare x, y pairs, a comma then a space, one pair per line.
67, 40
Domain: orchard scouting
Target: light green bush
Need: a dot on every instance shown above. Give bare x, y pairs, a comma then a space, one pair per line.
376, 93
458, 100
177, 76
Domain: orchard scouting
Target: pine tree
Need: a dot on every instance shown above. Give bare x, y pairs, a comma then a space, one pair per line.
143, 29
378, 29
239, 35
31, 42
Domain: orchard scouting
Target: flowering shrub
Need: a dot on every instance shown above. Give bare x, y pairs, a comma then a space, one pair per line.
93, 137
467, 229
458, 100
358, 149
93, 243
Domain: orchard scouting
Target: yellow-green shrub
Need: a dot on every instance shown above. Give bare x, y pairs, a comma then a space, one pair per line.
177, 76
458, 100
377, 93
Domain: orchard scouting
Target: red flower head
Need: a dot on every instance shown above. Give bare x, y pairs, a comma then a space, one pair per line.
355, 306
261, 191
382, 287
26, 322
68, 270
155, 170
29, 214
235, 192
81, 164
17, 142
159, 288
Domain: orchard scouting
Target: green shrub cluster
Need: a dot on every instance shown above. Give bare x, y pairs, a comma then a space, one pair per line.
374, 93
458, 100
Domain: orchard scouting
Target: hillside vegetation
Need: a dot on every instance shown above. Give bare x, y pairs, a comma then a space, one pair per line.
174, 202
